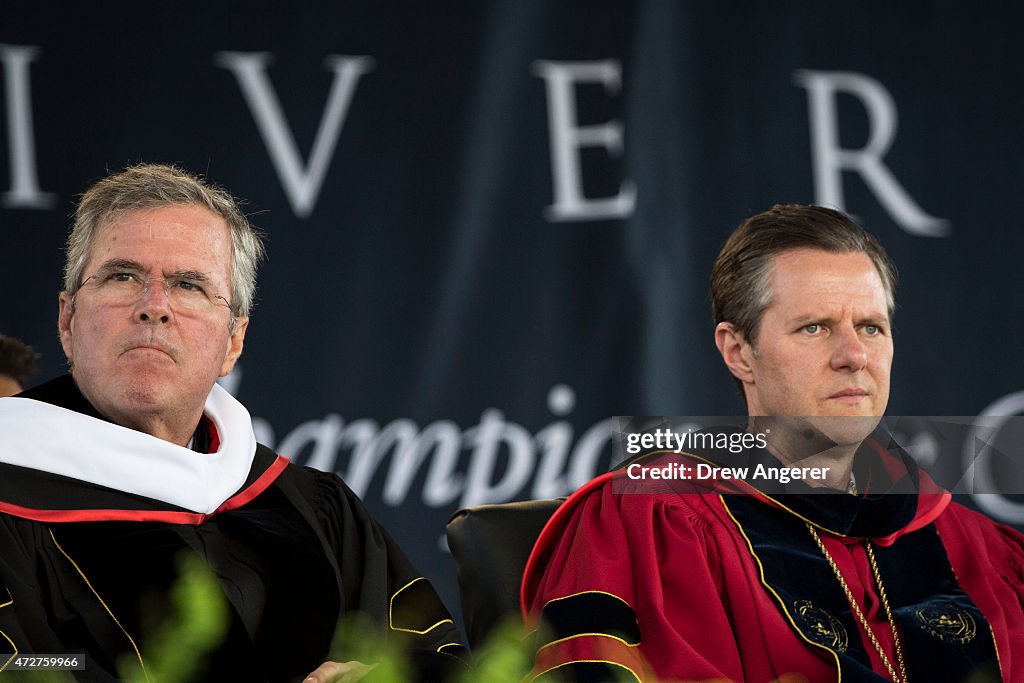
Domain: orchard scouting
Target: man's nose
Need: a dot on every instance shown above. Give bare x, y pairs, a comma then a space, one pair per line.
154, 304
849, 353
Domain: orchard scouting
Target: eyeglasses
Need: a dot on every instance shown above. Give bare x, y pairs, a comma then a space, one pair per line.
121, 286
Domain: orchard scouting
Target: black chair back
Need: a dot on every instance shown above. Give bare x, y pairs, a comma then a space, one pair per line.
490, 545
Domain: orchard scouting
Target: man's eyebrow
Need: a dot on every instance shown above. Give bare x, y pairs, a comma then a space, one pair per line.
812, 318
868, 319
122, 264
135, 266
190, 275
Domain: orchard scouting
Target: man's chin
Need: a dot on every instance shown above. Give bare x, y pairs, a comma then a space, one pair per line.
804, 437
145, 391
845, 430
142, 401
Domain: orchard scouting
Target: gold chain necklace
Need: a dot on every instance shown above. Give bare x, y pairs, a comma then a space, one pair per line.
860, 615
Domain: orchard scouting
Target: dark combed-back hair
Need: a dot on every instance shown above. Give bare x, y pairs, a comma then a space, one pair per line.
741, 276
17, 360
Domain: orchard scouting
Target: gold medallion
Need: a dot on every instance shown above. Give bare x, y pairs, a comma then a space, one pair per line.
821, 626
948, 623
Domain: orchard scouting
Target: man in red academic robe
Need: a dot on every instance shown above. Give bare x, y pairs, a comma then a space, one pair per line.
865, 571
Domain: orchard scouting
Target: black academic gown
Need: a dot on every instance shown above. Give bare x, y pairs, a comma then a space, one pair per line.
87, 568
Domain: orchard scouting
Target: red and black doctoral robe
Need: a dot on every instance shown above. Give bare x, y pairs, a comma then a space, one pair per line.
680, 581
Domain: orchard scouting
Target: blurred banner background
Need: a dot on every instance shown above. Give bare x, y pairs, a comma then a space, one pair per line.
491, 224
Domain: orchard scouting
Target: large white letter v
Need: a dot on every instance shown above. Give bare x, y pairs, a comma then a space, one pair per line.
301, 183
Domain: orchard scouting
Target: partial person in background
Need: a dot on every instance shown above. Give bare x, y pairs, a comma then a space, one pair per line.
109, 474
863, 570
17, 364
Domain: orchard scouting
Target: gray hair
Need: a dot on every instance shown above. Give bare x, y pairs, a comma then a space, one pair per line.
150, 186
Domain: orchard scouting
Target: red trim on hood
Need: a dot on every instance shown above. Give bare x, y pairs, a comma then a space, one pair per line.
167, 516
257, 487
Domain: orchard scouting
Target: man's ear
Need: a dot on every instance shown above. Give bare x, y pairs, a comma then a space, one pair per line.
235, 343
65, 311
736, 351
